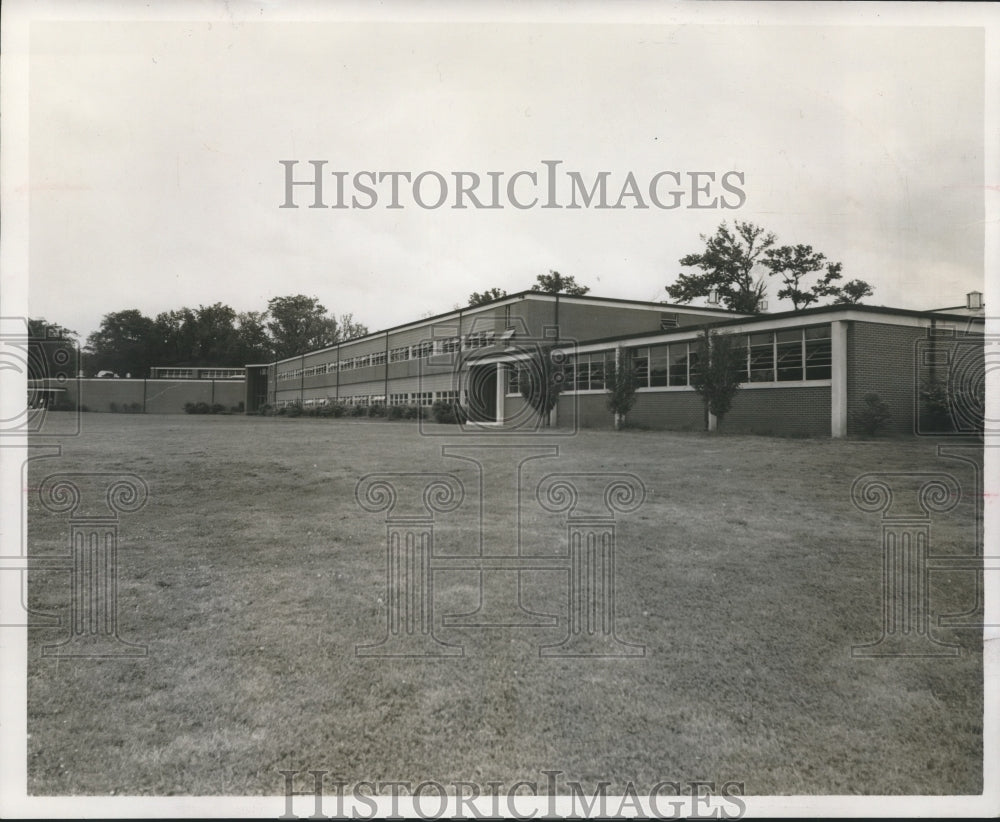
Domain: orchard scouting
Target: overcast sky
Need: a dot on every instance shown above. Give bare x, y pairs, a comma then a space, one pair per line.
155, 178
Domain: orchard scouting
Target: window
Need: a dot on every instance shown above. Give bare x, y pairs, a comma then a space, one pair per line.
447, 396
379, 358
587, 372
424, 349
362, 362
659, 359
399, 399
788, 350
762, 357
668, 321
819, 355
399, 354
640, 367
450, 345
423, 398
513, 378
678, 360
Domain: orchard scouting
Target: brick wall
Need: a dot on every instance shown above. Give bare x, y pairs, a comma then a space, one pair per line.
670, 410
881, 360
156, 396
793, 411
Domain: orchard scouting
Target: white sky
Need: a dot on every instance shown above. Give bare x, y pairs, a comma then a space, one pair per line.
155, 181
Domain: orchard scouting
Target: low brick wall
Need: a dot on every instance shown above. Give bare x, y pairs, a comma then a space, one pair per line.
150, 396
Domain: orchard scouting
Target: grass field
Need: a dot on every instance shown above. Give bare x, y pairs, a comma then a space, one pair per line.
252, 574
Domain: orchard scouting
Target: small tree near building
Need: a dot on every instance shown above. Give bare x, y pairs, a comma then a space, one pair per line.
541, 380
717, 374
621, 385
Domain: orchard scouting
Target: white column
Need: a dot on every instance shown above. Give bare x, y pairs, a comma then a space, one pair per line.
501, 391
838, 379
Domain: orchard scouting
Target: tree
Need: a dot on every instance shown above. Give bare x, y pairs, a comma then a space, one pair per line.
348, 329
728, 263
718, 373
795, 263
298, 324
556, 283
124, 343
542, 381
621, 387
853, 292
251, 331
52, 350
488, 296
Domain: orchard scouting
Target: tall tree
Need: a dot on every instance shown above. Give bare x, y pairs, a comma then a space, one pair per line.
793, 264
251, 330
719, 371
488, 296
123, 343
298, 324
52, 349
556, 283
727, 262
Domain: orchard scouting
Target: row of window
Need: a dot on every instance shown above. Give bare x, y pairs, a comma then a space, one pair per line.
199, 373
414, 398
449, 345
770, 356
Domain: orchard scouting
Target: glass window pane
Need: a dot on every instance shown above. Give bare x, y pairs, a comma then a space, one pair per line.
658, 358
761, 358
818, 359
678, 364
790, 355
818, 332
582, 372
640, 366
597, 371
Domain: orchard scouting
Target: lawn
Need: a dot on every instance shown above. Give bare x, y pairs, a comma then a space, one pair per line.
252, 574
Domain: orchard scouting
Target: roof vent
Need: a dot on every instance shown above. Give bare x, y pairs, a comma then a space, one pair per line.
974, 300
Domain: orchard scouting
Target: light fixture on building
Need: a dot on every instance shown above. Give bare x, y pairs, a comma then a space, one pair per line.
974, 300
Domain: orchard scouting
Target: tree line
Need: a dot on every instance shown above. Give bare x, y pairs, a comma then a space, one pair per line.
733, 269
129, 342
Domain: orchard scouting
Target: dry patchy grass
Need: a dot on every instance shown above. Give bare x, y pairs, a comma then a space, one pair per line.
252, 574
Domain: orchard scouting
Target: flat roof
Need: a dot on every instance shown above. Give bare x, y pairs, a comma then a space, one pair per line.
805, 313
512, 298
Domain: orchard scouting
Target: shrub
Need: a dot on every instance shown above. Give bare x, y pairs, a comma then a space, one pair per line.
447, 411
218, 408
65, 404
359, 410
873, 417
294, 409
240, 407
114, 407
412, 412
376, 410
935, 410
396, 412
135, 407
